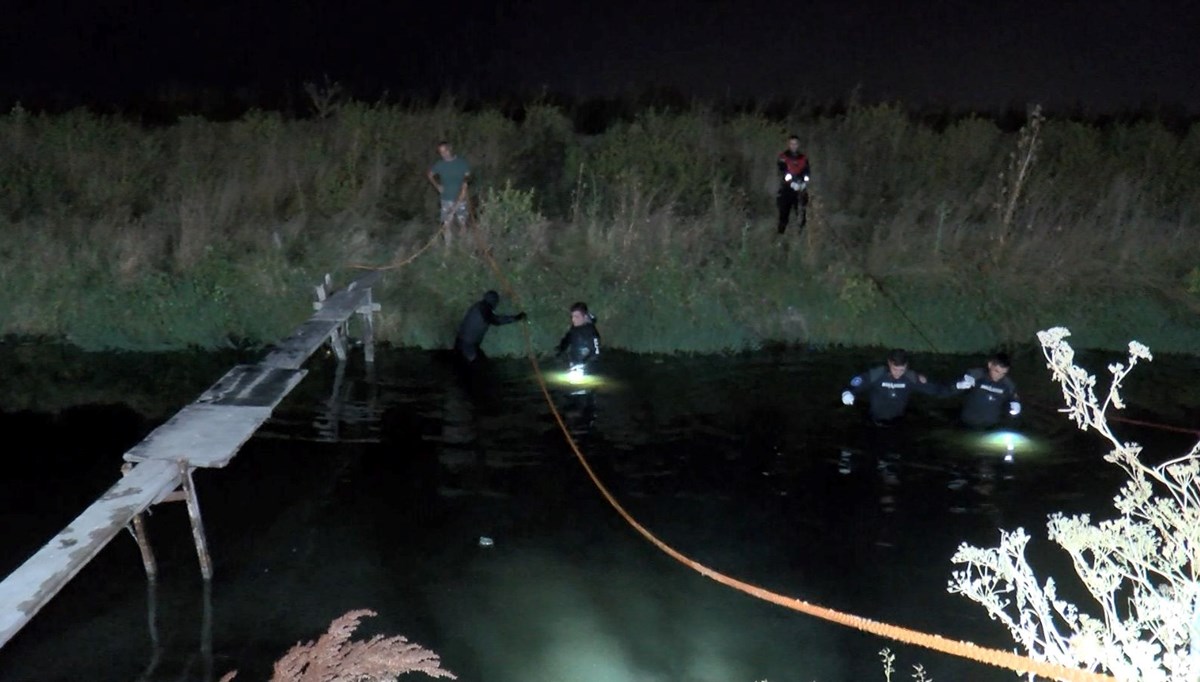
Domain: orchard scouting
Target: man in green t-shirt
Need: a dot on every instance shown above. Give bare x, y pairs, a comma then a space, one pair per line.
449, 176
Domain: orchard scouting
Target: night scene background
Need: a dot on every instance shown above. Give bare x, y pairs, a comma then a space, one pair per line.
175, 177
1088, 57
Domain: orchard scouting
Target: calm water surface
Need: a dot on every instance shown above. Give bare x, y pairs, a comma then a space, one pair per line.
372, 490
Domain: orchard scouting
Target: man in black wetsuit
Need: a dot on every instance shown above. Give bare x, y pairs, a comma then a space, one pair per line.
990, 393
888, 388
581, 343
474, 325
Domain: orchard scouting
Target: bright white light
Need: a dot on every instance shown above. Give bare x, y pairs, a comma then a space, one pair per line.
1006, 442
577, 377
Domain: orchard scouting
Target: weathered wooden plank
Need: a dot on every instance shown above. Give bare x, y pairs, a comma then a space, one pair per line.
293, 351
207, 433
252, 386
26, 590
204, 435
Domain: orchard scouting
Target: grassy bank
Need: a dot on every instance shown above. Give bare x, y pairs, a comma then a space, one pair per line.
956, 236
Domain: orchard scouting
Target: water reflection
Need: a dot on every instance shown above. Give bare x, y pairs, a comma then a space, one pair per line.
344, 409
197, 665
372, 490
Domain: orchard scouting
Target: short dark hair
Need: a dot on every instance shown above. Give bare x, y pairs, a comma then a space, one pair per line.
579, 306
1001, 360
898, 357
442, 143
794, 136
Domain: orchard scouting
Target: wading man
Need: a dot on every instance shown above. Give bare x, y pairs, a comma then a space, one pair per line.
480, 316
581, 343
990, 392
888, 388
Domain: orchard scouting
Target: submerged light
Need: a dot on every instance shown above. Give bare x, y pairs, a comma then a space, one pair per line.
1006, 442
577, 377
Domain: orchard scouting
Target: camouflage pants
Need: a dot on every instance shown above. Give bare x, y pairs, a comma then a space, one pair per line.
454, 209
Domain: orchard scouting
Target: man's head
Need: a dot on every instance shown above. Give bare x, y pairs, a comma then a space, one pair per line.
897, 362
579, 314
793, 144
444, 150
491, 298
997, 366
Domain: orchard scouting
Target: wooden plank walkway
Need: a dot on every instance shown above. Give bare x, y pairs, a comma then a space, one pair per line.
207, 433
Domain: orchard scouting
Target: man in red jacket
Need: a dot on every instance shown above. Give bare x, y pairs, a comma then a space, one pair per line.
793, 183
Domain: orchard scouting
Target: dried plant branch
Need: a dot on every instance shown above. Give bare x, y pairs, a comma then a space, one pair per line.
333, 657
1140, 568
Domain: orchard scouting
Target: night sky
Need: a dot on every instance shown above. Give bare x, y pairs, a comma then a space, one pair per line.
1099, 57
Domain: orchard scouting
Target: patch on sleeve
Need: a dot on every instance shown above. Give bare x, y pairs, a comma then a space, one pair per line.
856, 381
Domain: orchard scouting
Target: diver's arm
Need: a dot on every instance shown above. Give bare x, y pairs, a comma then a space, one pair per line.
922, 384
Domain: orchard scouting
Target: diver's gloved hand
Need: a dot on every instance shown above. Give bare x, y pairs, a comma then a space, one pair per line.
847, 398
966, 382
1014, 408
521, 316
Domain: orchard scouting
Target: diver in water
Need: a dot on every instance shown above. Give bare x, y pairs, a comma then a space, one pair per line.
581, 343
989, 393
480, 316
888, 388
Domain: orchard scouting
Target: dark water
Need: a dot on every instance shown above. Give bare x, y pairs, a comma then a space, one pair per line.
373, 491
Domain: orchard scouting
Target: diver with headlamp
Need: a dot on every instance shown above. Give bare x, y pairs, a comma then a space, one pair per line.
989, 393
581, 343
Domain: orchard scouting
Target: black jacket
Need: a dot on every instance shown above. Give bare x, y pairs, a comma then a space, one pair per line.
986, 403
474, 326
888, 397
582, 344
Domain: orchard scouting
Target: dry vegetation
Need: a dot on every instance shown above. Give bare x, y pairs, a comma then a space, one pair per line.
116, 234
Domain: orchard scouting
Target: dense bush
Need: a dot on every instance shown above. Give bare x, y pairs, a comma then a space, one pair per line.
663, 219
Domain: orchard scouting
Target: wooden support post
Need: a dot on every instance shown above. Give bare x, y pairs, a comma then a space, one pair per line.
337, 338
193, 506
143, 538
143, 541
367, 312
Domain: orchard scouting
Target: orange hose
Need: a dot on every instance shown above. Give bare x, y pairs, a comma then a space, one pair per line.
1002, 659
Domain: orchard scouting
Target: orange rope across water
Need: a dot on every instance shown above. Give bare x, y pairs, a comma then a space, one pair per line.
1155, 425
1003, 659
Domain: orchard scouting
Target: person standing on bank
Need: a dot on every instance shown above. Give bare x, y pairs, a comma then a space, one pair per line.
989, 393
450, 175
480, 316
793, 184
888, 388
